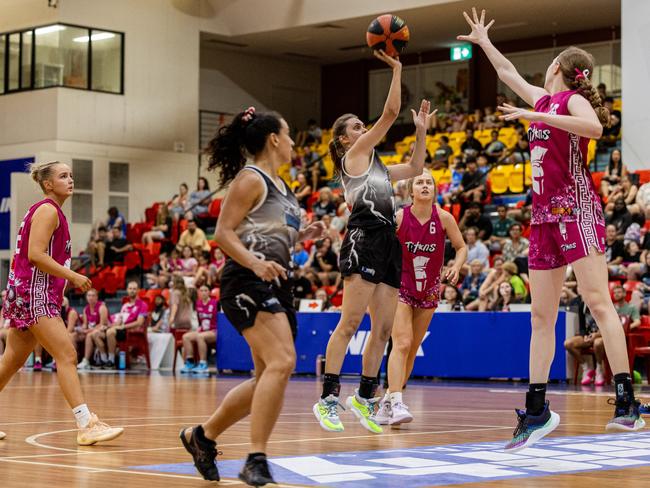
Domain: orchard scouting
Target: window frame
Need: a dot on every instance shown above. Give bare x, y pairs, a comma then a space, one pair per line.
32, 54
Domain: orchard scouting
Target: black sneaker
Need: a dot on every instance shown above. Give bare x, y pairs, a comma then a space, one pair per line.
256, 472
108, 365
203, 451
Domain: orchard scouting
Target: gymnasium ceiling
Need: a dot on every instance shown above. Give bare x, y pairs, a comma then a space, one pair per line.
432, 27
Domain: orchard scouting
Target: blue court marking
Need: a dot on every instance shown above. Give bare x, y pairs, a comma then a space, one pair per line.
448, 464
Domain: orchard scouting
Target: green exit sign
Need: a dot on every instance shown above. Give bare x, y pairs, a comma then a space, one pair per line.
461, 53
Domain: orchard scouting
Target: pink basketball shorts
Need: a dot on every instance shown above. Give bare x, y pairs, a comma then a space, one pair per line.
556, 244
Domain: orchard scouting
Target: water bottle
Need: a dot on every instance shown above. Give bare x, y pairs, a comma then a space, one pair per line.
121, 364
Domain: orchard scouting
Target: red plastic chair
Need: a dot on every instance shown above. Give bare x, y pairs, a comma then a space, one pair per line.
136, 338
131, 260
110, 283
630, 286
215, 208
178, 345
151, 213
148, 260
120, 275
215, 293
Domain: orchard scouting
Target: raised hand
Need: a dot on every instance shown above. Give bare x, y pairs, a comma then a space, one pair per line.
390, 61
479, 29
315, 230
511, 113
422, 119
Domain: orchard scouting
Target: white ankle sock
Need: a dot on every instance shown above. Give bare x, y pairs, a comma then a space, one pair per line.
396, 398
103, 356
111, 356
82, 414
37, 359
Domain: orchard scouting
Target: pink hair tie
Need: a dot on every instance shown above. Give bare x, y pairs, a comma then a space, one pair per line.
248, 114
582, 74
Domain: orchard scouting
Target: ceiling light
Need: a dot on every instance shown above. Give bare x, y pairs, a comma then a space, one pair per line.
95, 37
49, 29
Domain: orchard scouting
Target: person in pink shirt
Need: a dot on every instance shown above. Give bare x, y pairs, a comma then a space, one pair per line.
39, 272
421, 228
567, 223
133, 314
206, 335
94, 320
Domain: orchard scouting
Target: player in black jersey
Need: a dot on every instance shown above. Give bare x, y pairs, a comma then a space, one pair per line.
257, 228
370, 259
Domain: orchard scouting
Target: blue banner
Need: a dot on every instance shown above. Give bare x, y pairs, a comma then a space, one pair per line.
6, 168
458, 345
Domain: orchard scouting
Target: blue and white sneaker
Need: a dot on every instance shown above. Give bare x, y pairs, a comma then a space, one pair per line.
644, 409
627, 418
201, 368
531, 428
188, 367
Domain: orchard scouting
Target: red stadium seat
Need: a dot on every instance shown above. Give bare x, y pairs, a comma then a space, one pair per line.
215, 208
136, 338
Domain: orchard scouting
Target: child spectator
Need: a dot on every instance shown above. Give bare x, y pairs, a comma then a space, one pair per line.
163, 227
205, 335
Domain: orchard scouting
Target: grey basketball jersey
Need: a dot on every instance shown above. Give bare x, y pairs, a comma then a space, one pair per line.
370, 195
270, 229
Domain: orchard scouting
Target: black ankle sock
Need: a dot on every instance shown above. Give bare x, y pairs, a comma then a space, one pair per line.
255, 455
624, 389
331, 385
200, 435
535, 398
368, 386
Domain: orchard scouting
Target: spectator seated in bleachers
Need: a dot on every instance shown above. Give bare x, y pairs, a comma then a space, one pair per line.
302, 189
179, 202
324, 261
162, 228
473, 217
625, 191
619, 216
159, 315
476, 250
300, 256
199, 200
96, 248
313, 134
452, 192
442, 154
451, 298
495, 149
489, 290
302, 286
204, 336
471, 147
500, 228
613, 173
133, 314
520, 153
506, 297
623, 307
612, 133
321, 294
116, 248
115, 219
181, 305
161, 272
511, 275
472, 284
188, 267
94, 319
472, 186
216, 266
325, 204
515, 246
193, 237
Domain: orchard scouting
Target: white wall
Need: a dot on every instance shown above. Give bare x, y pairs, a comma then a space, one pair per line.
28, 116
231, 81
17, 14
635, 60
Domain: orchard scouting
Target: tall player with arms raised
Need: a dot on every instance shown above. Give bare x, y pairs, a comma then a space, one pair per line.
567, 224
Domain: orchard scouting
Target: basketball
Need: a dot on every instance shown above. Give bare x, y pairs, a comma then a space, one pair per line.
388, 32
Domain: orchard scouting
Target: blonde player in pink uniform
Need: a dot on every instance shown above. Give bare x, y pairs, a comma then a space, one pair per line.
421, 229
37, 279
567, 224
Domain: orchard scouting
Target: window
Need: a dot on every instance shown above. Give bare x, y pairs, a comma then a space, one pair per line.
62, 55
26, 60
82, 171
82, 208
61, 58
118, 180
3, 40
14, 61
106, 56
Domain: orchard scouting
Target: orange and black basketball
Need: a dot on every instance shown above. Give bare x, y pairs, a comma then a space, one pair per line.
388, 32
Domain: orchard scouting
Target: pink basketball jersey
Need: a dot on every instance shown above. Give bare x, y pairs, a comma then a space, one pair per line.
207, 314
92, 314
423, 249
563, 190
32, 293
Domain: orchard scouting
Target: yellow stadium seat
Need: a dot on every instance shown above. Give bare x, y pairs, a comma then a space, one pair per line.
618, 104
401, 147
499, 179
591, 151
528, 172
444, 178
432, 147
516, 179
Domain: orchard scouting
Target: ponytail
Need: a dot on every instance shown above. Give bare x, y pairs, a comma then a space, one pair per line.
336, 148
576, 66
245, 136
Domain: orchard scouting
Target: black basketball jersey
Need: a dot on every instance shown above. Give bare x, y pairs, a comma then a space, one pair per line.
270, 229
370, 195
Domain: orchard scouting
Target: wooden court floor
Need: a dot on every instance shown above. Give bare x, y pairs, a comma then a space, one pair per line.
40, 450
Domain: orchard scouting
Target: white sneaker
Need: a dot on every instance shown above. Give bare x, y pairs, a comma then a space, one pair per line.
97, 431
2, 435
384, 414
84, 364
401, 414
